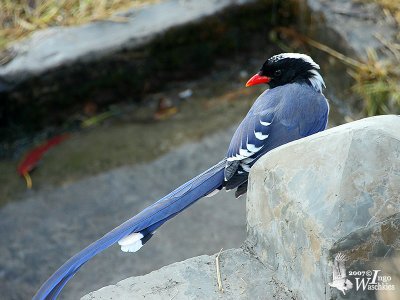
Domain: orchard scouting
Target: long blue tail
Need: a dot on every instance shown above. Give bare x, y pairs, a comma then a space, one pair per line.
145, 223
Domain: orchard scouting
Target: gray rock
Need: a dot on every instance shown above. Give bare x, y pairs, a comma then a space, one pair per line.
357, 24
334, 192
330, 192
54, 47
242, 277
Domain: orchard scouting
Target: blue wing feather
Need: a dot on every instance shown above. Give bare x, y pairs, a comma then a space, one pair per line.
293, 111
262, 110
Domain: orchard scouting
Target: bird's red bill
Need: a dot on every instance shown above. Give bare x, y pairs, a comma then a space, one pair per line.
257, 79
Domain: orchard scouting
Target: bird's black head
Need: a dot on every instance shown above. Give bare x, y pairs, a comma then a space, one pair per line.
288, 68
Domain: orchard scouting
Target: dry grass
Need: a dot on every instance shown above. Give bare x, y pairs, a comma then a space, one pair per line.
18, 18
391, 8
376, 81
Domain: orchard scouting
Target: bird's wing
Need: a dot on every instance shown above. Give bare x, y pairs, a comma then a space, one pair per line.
303, 111
144, 224
250, 136
254, 130
278, 116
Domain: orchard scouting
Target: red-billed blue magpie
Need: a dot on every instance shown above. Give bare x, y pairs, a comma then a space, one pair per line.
293, 107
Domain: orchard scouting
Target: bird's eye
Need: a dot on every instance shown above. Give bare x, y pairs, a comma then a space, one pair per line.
278, 73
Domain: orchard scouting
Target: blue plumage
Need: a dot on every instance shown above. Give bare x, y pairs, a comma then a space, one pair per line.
279, 115
293, 108
153, 216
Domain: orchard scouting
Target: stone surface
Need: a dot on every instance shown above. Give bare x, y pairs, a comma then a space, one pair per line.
357, 23
354, 23
336, 191
38, 234
349, 27
242, 277
54, 47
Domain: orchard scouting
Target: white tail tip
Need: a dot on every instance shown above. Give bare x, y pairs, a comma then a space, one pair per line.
214, 192
131, 243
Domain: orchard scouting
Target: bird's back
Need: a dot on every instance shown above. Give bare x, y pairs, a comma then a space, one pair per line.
296, 109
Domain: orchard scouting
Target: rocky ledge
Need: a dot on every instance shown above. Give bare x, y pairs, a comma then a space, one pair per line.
52, 48
334, 192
